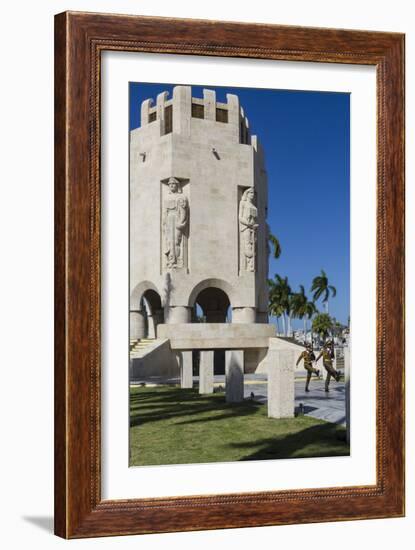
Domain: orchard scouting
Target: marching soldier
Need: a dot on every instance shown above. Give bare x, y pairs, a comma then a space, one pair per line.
308, 357
328, 356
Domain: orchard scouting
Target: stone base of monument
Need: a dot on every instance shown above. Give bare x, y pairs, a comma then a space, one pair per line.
234, 370
206, 372
185, 359
280, 383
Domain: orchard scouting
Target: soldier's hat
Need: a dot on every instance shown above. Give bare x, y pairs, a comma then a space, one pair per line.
309, 345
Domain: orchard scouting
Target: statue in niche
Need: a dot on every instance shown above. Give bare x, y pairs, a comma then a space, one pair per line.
248, 228
175, 223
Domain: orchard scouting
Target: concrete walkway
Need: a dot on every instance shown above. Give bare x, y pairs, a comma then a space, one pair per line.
316, 403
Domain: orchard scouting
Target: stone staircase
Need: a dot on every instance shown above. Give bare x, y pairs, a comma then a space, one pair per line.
138, 347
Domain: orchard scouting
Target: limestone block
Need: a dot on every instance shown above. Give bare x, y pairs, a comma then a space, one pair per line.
206, 372
161, 100
217, 335
209, 99
281, 384
182, 107
243, 315
137, 325
145, 107
234, 369
177, 315
186, 369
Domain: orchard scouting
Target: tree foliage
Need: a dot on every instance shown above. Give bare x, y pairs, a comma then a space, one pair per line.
322, 324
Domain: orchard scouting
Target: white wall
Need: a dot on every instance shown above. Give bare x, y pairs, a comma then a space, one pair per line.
26, 313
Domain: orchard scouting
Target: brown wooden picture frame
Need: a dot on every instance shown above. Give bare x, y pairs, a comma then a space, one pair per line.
79, 40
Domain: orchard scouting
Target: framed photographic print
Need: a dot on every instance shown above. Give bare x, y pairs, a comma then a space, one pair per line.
229, 339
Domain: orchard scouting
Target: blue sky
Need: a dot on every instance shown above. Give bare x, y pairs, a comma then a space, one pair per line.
306, 140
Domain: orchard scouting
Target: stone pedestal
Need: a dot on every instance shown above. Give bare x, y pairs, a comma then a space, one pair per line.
346, 352
137, 325
186, 369
206, 372
234, 376
281, 384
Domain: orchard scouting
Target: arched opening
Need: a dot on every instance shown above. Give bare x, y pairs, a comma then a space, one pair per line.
212, 305
146, 311
153, 312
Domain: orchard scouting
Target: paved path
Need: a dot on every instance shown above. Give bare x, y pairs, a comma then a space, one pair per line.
316, 403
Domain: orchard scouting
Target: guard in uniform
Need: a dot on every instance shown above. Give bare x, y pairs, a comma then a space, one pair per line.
308, 357
328, 356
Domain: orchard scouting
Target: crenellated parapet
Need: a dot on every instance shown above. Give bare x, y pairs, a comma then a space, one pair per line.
176, 114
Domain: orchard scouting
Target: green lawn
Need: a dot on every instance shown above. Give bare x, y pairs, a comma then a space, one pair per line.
169, 425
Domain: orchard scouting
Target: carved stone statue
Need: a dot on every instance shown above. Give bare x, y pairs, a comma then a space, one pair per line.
175, 223
248, 228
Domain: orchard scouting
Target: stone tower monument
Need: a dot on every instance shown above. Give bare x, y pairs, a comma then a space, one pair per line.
199, 237
198, 212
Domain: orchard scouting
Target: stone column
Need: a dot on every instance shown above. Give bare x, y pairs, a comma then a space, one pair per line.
206, 372
186, 369
178, 314
151, 326
234, 376
243, 315
281, 384
346, 351
137, 325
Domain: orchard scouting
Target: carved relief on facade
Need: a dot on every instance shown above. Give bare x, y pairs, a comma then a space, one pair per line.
248, 230
175, 226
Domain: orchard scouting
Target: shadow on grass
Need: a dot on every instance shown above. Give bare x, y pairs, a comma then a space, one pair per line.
315, 441
174, 403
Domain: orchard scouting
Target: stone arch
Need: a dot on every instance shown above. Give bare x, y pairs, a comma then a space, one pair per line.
146, 310
211, 283
138, 293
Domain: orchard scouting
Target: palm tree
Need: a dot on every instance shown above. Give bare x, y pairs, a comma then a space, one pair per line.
321, 288
310, 310
302, 308
279, 299
322, 324
298, 302
275, 310
273, 240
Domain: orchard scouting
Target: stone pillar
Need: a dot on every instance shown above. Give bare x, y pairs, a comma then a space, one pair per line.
151, 326
182, 110
178, 314
346, 351
161, 99
243, 315
281, 384
234, 116
145, 108
206, 372
209, 100
137, 325
186, 369
234, 376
